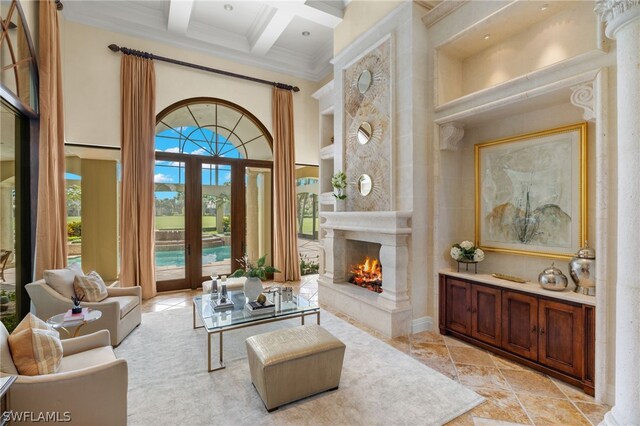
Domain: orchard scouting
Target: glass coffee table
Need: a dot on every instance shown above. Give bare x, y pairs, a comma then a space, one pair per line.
217, 322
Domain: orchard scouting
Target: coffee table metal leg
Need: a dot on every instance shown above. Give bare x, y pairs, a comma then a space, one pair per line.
318, 317
221, 364
302, 319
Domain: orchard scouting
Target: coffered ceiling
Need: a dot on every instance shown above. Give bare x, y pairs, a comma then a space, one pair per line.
268, 34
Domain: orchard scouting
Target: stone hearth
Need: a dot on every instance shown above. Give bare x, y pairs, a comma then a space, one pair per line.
388, 312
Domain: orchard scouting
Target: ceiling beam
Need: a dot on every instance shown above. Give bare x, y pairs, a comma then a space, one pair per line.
271, 31
179, 15
309, 11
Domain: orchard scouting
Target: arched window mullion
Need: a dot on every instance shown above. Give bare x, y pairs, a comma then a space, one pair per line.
195, 120
211, 115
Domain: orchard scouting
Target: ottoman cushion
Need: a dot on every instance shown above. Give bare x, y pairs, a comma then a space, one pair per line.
293, 363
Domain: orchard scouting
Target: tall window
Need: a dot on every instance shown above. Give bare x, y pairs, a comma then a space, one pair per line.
18, 155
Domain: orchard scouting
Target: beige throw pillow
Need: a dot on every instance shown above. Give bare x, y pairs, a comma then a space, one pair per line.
90, 288
61, 280
35, 347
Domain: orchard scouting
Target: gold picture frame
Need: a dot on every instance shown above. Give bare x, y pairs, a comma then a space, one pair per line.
528, 191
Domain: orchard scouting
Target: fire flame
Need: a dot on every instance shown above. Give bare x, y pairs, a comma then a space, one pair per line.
368, 274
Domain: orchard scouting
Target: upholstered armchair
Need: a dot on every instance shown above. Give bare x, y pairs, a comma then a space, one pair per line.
121, 310
90, 384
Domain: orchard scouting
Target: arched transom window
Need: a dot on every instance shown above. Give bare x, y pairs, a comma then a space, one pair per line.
213, 128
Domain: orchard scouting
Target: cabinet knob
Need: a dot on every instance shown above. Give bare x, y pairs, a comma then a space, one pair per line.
533, 329
541, 330
474, 310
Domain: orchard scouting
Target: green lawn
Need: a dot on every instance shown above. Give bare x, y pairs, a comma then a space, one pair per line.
307, 225
177, 222
167, 222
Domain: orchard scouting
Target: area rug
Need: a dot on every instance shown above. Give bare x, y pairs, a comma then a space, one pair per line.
169, 382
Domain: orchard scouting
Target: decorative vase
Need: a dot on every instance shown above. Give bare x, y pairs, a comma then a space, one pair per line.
76, 310
252, 288
582, 270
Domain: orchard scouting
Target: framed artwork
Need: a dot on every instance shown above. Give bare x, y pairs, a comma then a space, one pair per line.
531, 193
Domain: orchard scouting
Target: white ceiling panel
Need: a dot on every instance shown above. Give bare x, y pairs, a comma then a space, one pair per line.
266, 33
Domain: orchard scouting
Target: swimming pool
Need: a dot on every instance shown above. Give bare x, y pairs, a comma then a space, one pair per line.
176, 257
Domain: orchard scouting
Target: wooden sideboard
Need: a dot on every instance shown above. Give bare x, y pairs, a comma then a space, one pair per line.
545, 332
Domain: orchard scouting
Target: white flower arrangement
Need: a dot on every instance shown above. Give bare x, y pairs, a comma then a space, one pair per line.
466, 251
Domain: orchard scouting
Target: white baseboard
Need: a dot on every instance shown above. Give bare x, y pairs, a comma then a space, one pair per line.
421, 324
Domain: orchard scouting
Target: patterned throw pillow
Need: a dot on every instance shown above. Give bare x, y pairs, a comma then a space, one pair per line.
35, 347
90, 288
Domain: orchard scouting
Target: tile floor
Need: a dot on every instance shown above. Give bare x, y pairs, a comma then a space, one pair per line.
515, 394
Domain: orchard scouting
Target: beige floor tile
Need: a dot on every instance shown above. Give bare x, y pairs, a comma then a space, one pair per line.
573, 393
551, 411
435, 356
452, 341
155, 308
472, 356
463, 420
505, 364
446, 368
427, 337
500, 405
401, 343
594, 412
532, 382
481, 377
481, 421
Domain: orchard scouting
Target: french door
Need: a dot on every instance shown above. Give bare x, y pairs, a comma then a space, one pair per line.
209, 213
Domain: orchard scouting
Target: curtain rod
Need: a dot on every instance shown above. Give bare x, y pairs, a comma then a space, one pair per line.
146, 55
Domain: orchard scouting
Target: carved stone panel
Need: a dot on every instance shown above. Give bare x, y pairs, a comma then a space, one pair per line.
372, 106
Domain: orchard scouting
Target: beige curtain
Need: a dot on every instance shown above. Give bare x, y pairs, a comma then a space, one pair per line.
285, 256
138, 91
51, 230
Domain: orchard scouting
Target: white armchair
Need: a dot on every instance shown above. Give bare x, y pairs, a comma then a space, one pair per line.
90, 385
121, 310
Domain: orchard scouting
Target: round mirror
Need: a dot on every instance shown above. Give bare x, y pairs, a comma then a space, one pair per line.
364, 133
364, 81
365, 185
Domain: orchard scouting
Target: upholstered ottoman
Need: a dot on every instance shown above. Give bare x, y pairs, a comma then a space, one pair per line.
294, 363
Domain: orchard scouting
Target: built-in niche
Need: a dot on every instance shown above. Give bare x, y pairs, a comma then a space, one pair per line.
367, 117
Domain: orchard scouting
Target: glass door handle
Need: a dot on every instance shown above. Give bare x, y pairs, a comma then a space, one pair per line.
188, 249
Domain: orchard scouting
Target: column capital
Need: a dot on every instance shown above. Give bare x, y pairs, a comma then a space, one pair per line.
616, 13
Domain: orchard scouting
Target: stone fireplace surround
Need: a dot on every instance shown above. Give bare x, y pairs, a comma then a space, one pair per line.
389, 312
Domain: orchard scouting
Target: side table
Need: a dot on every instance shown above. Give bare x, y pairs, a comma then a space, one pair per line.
58, 321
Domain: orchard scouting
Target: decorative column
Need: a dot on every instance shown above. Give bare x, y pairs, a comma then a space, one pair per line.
623, 24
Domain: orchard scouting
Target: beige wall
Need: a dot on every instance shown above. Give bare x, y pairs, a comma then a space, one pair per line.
92, 88
100, 217
359, 16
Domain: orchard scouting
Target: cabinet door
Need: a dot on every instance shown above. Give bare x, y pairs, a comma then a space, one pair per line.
486, 314
459, 306
520, 324
561, 342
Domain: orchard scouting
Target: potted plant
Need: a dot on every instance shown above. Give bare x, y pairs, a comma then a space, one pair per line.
339, 182
254, 273
4, 301
76, 304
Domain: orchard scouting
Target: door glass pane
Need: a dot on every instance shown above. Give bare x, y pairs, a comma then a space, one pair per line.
258, 211
216, 219
73, 182
169, 178
10, 125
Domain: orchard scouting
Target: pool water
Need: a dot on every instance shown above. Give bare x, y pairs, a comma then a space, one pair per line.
176, 257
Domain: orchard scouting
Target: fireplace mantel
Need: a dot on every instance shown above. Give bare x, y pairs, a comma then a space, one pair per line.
386, 222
